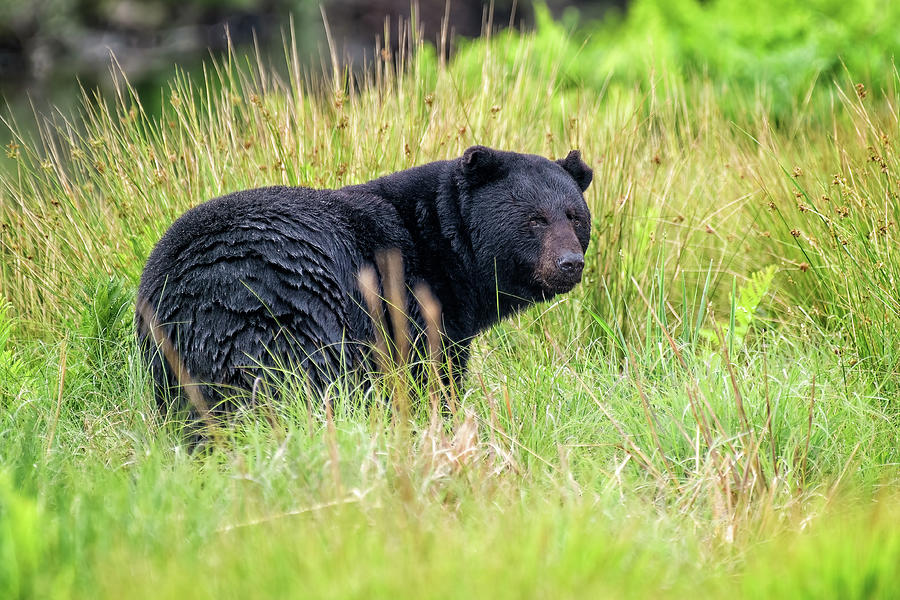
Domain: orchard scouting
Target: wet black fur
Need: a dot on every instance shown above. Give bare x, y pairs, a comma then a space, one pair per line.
273, 271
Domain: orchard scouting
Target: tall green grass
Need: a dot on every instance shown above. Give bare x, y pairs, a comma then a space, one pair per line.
709, 413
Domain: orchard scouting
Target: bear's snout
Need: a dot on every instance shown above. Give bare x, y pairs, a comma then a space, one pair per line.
567, 273
571, 264
562, 261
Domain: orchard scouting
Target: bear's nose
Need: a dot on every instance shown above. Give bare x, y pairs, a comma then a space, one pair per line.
570, 263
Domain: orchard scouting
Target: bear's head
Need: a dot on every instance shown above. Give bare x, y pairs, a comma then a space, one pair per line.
527, 219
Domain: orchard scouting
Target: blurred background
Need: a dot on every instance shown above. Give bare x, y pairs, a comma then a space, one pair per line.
779, 50
48, 46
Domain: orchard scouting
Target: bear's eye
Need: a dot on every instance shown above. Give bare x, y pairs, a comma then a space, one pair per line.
574, 219
537, 221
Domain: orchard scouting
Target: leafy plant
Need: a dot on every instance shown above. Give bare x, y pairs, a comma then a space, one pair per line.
12, 367
745, 302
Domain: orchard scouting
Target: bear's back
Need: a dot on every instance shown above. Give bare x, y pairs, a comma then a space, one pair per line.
253, 275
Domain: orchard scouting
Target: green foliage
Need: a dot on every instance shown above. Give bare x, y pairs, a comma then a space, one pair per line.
12, 368
780, 44
744, 305
27, 540
19, 540
836, 219
779, 51
106, 318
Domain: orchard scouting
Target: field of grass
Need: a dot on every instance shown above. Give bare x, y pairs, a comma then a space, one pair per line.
711, 413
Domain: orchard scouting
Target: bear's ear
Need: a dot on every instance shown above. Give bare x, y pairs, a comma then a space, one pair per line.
480, 164
574, 166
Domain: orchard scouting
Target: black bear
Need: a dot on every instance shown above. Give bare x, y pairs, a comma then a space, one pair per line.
244, 279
